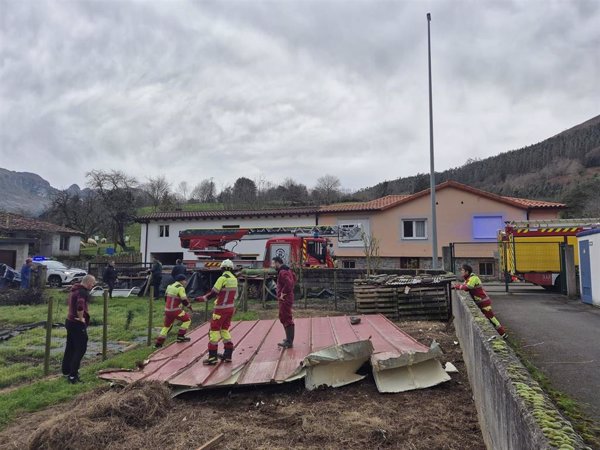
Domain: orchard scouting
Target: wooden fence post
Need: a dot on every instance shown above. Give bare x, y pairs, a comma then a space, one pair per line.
48, 336
264, 290
150, 315
105, 324
335, 303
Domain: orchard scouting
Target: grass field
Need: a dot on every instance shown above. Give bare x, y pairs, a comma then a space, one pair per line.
21, 357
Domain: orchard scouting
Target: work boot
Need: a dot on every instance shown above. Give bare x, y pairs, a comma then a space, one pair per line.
288, 342
226, 355
212, 358
183, 339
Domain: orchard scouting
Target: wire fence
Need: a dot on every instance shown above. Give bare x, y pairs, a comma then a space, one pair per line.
33, 333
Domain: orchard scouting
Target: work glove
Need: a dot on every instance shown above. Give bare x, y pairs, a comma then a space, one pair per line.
202, 298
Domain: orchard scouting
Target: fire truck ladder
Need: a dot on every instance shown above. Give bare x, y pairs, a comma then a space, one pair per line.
300, 231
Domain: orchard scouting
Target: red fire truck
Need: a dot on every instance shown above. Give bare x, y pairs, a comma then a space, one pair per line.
253, 248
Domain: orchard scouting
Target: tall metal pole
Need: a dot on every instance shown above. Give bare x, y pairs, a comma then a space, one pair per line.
434, 260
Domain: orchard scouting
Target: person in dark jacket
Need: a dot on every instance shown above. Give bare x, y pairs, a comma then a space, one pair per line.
286, 280
77, 322
156, 272
178, 269
110, 277
26, 273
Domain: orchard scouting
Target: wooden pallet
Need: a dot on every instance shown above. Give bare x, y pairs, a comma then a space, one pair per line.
420, 303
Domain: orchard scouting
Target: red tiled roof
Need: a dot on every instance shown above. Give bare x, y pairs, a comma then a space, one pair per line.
14, 222
187, 215
374, 205
536, 203
379, 204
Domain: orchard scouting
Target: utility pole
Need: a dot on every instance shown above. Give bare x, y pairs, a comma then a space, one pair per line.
434, 259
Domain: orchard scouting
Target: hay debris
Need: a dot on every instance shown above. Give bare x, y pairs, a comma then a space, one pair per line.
105, 419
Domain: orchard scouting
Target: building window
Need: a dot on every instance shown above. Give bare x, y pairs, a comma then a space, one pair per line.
346, 264
487, 227
163, 231
486, 268
64, 243
414, 229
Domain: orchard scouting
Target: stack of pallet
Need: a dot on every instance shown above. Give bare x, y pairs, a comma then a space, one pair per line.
376, 300
421, 297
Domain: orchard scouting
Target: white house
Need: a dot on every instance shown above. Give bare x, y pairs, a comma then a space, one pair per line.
160, 230
21, 237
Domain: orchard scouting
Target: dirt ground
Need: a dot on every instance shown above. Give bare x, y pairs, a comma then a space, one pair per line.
288, 416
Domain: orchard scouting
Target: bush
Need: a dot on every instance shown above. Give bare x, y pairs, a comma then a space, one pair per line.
33, 296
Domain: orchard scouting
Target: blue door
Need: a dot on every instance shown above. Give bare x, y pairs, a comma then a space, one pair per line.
585, 271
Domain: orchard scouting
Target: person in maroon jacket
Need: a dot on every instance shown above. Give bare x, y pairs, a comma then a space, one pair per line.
286, 279
77, 322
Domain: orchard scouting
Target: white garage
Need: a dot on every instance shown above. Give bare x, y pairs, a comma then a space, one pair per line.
589, 265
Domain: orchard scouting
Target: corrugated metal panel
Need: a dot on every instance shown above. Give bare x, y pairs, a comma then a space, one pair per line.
258, 360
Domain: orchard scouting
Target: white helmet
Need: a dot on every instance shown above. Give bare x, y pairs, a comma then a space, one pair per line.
227, 264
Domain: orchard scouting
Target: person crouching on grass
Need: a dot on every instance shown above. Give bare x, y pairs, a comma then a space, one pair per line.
175, 299
76, 324
475, 289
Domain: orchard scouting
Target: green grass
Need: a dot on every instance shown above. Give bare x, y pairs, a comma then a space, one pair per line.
46, 392
22, 356
569, 407
187, 207
39, 395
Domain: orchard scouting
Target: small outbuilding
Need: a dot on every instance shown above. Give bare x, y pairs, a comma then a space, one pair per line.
589, 265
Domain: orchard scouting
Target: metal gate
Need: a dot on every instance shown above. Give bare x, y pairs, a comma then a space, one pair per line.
538, 262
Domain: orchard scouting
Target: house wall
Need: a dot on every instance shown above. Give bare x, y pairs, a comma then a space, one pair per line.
22, 252
455, 211
171, 244
73, 250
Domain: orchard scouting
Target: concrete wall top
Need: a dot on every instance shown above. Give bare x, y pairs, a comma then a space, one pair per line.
513, 410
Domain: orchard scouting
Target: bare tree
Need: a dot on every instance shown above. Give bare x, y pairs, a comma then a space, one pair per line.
157, 189
116, 196
79, 212
328, 189
205, 192
371, 251
183, 191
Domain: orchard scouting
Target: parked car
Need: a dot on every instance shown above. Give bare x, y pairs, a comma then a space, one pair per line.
9, 277
58, 274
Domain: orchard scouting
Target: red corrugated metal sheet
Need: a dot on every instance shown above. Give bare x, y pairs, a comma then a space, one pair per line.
258, 360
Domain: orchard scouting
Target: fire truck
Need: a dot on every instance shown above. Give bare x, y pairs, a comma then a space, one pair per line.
253, 248
531, 250
297, 246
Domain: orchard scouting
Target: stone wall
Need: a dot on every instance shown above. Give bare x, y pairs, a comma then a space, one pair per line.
513, 410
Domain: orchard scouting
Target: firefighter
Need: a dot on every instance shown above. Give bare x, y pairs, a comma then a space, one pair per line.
175, 298
286, 279
225, 289
473, 286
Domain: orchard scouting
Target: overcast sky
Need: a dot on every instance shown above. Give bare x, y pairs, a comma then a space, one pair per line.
282, 89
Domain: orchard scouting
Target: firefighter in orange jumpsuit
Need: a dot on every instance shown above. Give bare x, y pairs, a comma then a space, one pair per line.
473, 286
175, 299
225, 289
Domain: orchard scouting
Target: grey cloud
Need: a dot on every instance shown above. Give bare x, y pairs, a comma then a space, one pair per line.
285, 89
